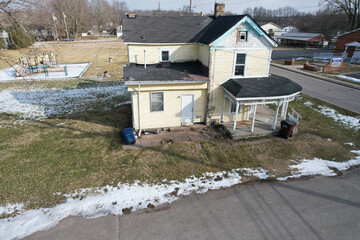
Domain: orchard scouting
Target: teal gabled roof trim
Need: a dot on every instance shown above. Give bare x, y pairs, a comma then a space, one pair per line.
254, 26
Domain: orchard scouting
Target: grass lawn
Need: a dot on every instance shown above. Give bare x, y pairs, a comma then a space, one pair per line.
44, 158
98, 53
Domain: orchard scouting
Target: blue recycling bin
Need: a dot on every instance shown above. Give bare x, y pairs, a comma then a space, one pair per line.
128, 136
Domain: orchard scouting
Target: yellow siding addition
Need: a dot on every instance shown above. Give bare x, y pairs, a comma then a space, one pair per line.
179, 53
171, 116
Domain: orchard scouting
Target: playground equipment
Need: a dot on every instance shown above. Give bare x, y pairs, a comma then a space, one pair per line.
46, 62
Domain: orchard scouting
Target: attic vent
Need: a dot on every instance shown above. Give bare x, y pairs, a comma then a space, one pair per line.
131, 15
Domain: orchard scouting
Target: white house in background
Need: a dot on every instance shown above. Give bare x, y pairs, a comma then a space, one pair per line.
290, 29
272, 29
356, 51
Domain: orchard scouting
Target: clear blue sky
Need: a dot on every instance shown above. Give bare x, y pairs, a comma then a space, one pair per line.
235, 6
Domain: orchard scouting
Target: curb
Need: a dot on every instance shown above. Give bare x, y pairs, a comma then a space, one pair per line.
327, 79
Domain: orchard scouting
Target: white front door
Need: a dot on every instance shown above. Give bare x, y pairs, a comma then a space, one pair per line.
187, 112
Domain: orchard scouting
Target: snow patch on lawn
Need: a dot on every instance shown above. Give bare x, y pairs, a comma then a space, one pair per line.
348, 78
352, 122
112, 200
319, 166
45, 103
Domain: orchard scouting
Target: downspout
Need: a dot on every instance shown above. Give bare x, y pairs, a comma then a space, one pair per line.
211, 69
145, 59
139, 133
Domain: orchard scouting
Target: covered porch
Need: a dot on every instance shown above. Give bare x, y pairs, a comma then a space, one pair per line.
253, 94
263, 125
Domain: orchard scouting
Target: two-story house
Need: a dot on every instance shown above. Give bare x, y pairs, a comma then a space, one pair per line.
196, 69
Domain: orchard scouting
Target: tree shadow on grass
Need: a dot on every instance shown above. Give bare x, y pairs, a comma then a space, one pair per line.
101, 103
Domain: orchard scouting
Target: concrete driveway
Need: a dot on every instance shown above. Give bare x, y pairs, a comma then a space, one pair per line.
317, 208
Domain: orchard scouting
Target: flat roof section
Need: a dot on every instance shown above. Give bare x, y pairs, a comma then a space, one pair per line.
186, 72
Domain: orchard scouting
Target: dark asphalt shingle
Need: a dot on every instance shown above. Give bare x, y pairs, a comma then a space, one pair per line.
271, 86
189, 71
163, 29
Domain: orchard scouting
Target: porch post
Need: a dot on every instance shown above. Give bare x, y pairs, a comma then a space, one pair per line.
286, 108
278, 104
283, 110
223, 110
235, 118
253, 120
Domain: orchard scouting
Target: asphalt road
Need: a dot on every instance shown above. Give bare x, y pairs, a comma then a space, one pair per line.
338, 95
317, 208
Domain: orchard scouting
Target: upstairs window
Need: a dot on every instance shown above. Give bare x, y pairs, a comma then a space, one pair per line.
239, 69
242, 36
156, 101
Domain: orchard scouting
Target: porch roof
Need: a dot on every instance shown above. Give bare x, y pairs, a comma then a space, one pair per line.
272, 86
184, 72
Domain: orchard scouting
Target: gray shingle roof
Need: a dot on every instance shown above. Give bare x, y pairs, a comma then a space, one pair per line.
272, 86
163, 29
299, 36
177, 29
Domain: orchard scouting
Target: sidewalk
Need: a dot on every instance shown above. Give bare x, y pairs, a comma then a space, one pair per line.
296, 69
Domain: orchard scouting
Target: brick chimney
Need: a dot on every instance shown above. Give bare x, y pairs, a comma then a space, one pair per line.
219, 9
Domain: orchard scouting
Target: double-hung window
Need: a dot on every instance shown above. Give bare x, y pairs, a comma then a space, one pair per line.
239, 69
156, 101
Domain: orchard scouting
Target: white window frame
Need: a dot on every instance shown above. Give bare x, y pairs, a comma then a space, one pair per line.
163, 108
239, 31
230, 106
245, 64
164, 50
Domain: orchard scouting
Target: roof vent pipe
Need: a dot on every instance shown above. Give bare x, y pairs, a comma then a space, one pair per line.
219, 9
145, 59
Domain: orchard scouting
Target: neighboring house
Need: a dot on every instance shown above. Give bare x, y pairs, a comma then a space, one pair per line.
343, 39
43, 34
355, 51
5, 40
197, 69
303, 39
290, 29
272, 29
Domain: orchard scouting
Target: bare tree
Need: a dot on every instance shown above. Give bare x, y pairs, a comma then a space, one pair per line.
350, 7
100, 9
77, 14
118, 9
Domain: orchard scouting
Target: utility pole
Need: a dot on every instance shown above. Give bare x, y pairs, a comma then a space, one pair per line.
67, 33
159, 8
56, 32
190, 7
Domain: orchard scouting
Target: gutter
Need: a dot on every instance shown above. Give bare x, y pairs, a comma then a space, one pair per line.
127, 83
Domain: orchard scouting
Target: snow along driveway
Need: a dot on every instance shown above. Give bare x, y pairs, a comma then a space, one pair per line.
131, 197
51, 103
